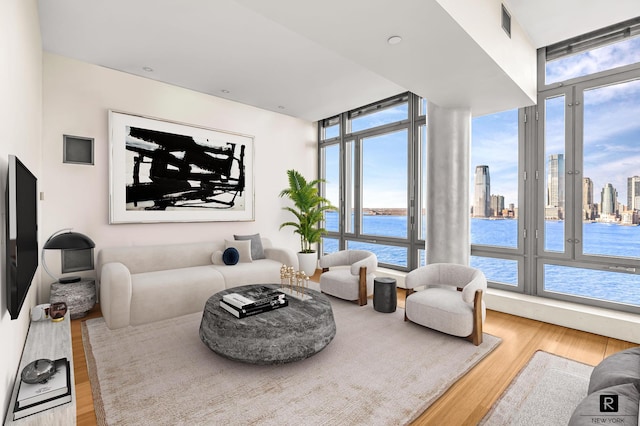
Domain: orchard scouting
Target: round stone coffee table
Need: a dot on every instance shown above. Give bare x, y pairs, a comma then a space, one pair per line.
284, 335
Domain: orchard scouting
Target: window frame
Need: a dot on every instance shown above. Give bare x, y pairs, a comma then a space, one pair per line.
573, 256
530, 253
513, 253
412, 243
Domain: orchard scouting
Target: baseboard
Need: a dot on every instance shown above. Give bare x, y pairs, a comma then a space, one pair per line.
399, 276
605, 322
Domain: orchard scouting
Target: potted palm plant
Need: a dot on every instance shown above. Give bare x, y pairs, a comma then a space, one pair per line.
308, 208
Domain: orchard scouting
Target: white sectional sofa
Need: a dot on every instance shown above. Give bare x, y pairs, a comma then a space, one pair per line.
142, 284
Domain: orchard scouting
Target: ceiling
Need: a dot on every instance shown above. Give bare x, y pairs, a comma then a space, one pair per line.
311, 62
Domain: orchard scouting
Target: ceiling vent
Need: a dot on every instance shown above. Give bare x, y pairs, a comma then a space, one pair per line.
506, 21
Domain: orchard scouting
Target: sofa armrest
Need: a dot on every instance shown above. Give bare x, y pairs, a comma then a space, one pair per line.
115, 294
282, 255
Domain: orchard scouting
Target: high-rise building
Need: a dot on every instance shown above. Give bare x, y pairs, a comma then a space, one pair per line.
633, 193
482, 193
609, 197
555, 187
497, 205
588, 207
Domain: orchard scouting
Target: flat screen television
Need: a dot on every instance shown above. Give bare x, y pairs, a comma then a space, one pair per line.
21, 233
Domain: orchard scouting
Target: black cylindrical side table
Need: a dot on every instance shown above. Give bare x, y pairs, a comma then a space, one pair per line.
385, 297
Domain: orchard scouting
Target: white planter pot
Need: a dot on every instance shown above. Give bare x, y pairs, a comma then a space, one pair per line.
308, 262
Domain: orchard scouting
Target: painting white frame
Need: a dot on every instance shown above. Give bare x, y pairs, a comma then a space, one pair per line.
124, 164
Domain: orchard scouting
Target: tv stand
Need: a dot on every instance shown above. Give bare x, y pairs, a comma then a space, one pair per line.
50, 340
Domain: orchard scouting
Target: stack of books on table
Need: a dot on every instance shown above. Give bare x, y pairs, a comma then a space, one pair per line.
244, 303
34, 398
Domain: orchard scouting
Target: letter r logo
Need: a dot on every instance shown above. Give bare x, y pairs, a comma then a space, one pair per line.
608, 403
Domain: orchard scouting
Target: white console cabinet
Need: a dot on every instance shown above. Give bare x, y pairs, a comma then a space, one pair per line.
49, 340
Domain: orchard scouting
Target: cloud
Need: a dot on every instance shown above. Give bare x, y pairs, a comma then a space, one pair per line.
601, 59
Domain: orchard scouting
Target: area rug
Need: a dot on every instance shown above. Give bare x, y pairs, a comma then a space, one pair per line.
545, 392
378, 370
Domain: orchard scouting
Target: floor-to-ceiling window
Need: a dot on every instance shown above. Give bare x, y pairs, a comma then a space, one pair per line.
371, 162
589, 155
554, 191
495, 197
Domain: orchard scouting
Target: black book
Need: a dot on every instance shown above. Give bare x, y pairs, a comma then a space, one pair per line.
253, 297
243, 313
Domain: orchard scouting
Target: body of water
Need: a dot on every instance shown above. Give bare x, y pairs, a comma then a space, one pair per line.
598, 239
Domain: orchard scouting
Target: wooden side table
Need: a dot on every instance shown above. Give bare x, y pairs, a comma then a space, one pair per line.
80, 296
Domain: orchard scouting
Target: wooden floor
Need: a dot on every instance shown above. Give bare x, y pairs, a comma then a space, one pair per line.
469, 399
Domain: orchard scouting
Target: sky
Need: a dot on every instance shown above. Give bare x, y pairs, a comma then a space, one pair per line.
382, 153
494, 142
611, 136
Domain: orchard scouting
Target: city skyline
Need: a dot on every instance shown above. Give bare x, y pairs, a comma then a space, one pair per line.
611, 132
611, 126
487, 203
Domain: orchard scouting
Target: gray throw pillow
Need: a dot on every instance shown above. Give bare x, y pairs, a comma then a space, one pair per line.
257, 252
619, 368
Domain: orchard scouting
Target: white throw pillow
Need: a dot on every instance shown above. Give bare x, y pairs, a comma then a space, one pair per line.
257, 252
216, 258
243, 247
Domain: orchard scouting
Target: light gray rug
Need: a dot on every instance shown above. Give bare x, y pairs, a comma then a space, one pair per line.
545, 392
378, 370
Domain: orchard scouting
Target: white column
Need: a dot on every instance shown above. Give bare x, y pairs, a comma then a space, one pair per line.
448, 155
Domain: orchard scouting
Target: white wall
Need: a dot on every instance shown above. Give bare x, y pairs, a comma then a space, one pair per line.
20, 134
77, 97
516, 55
605, 322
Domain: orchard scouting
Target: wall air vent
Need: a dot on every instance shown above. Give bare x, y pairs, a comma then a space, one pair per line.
506, 21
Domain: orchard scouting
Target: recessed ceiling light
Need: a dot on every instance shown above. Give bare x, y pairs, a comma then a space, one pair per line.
394, 39
225, 91
280, 107
147, 69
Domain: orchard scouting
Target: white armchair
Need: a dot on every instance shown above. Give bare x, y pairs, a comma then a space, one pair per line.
451, 301
354, 282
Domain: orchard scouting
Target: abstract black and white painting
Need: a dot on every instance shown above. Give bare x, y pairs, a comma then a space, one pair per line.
161, 171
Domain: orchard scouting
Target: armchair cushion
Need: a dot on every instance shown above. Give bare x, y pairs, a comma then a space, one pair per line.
340, 283
441, 309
